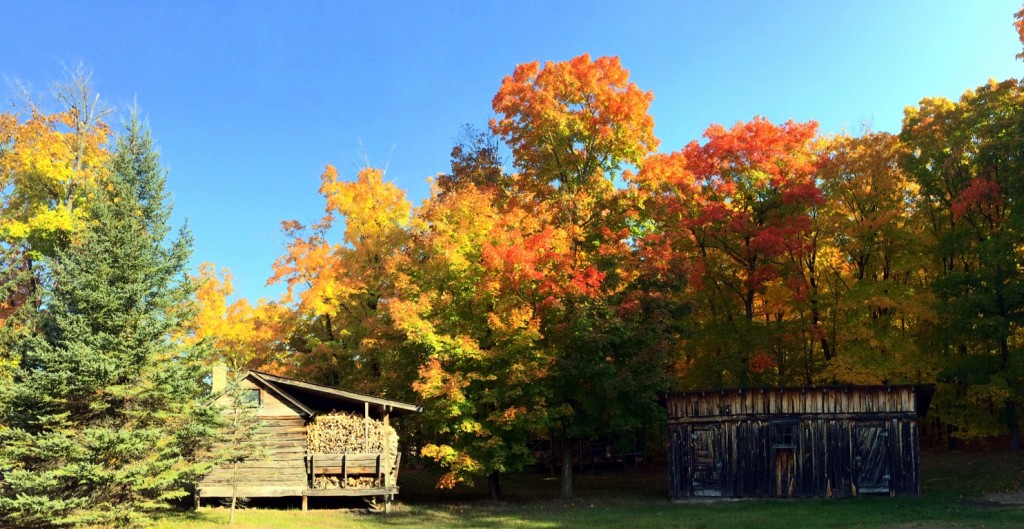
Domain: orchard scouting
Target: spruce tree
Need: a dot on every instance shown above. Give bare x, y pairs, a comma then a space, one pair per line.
105, 415
240, 438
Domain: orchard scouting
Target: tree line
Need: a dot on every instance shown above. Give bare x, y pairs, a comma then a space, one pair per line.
558, 297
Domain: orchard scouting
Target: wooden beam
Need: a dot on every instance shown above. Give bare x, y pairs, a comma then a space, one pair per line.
379, 491
253, 491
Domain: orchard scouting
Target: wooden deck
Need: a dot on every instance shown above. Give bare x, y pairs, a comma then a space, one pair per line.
386, 494
278, 491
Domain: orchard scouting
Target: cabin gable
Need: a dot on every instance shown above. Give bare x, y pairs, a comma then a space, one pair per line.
270, 403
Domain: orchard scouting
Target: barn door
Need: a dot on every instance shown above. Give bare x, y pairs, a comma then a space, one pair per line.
784, 437
706, 460
871, 459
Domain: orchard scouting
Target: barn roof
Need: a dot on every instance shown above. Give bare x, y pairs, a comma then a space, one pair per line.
311, 398
923, 393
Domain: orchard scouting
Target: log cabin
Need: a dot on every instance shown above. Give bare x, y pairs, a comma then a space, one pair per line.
796, 442
288, 468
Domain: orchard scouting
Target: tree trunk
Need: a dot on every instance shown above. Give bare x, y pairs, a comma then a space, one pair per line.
1013, 423
234, 500
494, 481
951, 443
566, 469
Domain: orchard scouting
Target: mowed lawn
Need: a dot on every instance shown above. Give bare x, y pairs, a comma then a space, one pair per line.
958, 490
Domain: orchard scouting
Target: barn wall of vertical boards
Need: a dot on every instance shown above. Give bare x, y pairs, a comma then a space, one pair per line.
796, 442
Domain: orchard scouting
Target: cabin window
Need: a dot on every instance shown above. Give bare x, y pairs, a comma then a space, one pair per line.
250, 398
784, 434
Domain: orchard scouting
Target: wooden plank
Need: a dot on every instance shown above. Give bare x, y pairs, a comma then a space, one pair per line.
266, 465
394, 472
282, 450
287, 429
386, 456
248, 475
286, 418
295, 467
242, 476
254, 479
379, 491
348, 469
354, 456
675, 470
841, 416
284, 453
253, 491
284, 440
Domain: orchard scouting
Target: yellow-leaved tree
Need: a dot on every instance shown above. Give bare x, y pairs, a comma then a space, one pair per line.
51, 166
243, 336
337, 289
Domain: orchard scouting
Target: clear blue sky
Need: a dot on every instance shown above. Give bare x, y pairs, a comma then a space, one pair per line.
248, 100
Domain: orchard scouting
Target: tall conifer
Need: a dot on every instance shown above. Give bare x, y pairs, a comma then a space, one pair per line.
103, 417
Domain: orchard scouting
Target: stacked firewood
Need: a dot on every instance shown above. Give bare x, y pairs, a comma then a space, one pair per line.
351, 433
339, 432
353, 482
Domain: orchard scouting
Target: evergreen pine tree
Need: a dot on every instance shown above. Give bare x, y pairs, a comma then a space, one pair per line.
104, 415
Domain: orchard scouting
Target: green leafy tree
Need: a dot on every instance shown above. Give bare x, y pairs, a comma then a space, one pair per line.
104, 416
965, 156
870, 283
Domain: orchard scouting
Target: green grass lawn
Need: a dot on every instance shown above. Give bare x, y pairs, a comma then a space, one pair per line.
955, 490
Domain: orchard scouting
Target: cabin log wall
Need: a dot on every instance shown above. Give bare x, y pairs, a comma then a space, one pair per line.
282, 469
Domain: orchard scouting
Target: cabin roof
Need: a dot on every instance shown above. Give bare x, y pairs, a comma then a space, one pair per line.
922, 392
311, 398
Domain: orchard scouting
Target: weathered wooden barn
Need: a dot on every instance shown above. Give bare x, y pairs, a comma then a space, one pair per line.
288, 467
796, 442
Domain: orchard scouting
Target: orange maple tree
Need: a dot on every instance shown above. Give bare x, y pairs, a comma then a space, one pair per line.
573, 127
734, 212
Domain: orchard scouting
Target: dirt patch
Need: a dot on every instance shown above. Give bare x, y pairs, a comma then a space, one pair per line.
1003, 499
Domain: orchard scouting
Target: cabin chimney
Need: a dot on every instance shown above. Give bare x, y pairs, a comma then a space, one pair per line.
219, 381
